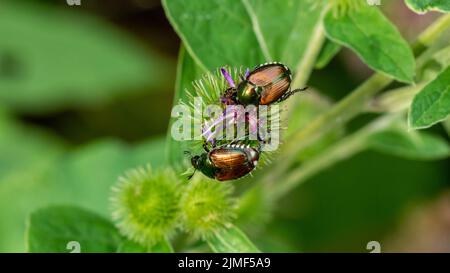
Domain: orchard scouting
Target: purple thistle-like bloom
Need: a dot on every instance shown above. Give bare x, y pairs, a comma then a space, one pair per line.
227, 76
247, 72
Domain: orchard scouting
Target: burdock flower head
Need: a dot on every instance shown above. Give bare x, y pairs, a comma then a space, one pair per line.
220, 120
146, 205
207, 207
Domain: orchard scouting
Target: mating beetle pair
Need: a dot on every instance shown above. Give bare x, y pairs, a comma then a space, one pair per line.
266, 84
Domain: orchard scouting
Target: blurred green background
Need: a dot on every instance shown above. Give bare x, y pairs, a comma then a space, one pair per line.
86, 93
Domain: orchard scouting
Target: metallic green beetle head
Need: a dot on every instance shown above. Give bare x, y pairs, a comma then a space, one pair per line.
203, 164
195, 161
248, 93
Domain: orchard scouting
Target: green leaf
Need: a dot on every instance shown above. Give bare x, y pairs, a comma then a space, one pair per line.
446, 124
128, 246
412, 145
68, 58
51, 229
287, 37
328, 51
25, 160
82, 177
377, 42
423, 6
432, 104
87, 175
149, 152
187, 72
215, 32
27, 155
231, 240
238, 33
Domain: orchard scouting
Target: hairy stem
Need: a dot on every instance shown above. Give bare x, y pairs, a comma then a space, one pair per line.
343, 149
432, 33
394, 100
343, 111
306, 65
338, 115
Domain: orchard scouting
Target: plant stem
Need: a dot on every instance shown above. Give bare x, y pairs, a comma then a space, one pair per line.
345, 148
395, 100
343, 111
306, 65
231, 240
431, 33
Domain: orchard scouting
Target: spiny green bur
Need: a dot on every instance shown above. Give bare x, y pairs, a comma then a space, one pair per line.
207, 207
146, 205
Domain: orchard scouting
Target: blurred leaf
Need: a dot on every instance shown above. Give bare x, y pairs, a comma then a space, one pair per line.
308, 106
442, 57
434, 60
87, 175
231, 240
432, 104
25, 152
26, 156
254, 209
238, 33
356, 201
149, 152
375, 39
327, 53
446, 124
82, 177
68, 59
422, 6
51, 229
411, 145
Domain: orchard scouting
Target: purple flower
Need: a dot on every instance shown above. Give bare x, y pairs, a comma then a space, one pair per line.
227, 76
247, 72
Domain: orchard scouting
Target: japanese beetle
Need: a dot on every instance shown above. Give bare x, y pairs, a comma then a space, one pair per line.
266, 84
226, 162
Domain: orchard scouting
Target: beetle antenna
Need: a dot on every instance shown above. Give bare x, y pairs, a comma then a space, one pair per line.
300, 89
290, 93
190, 176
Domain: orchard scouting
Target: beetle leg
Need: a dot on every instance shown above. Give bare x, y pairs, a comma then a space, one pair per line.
205, 147
290, 93
228, 97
